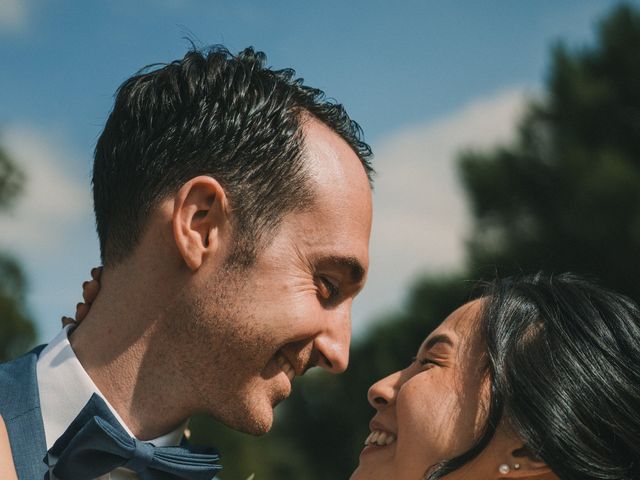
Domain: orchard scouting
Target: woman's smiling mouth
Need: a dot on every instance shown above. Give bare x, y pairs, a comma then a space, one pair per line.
380, 438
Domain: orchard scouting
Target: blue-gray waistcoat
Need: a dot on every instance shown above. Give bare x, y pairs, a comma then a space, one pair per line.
20, 409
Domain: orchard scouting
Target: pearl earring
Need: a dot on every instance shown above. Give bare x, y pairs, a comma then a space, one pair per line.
516, 466
504, 469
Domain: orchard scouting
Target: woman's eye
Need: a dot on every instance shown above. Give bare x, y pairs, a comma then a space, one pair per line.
425, 361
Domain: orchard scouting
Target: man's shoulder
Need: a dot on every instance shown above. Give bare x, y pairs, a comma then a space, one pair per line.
18, 384
14, 370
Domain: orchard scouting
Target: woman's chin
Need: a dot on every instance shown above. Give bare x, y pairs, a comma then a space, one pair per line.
357, 474
368, 472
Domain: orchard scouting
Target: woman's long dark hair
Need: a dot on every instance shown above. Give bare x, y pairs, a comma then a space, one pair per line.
563, 359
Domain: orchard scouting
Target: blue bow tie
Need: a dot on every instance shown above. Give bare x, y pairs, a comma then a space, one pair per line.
95, 443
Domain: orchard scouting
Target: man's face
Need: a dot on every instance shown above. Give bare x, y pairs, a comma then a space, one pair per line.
252, 331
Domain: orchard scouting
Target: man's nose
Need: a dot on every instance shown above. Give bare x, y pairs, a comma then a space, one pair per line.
333, 344
383, 392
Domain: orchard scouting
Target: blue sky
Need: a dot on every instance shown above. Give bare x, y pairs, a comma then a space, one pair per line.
423, 78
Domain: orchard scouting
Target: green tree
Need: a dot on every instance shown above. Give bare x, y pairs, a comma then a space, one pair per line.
565, 195
16, 328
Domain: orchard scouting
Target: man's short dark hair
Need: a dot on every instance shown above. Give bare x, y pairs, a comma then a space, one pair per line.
210, 113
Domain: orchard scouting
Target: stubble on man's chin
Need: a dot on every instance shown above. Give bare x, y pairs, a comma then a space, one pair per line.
250, 418
247, 410
219, 342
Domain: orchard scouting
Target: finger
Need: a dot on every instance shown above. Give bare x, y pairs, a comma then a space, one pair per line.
96, 272
67, 321
90, 291
81, 311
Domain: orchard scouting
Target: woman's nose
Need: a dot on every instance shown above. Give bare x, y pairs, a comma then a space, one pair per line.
383, 392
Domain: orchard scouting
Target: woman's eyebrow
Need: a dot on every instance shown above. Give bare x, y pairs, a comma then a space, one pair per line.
436, 339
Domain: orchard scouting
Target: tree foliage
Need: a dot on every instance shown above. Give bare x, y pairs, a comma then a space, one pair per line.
11, 180
566, 195
16, 328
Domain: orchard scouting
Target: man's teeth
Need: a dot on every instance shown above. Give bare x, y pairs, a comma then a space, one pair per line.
286, 366
380, 438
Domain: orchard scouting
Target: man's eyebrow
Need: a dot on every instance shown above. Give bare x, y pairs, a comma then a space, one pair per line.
350, 263
436, 339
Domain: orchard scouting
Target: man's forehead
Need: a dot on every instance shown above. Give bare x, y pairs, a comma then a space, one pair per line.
331, 160
333, 230
328, 239
320, 241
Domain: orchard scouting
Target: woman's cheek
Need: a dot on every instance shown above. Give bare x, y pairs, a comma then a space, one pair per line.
431, 417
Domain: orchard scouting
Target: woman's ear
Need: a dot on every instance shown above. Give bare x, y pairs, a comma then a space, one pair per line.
522, 463
514, 459
200, 220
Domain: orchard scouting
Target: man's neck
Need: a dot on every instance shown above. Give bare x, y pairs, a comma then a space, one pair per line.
124, 346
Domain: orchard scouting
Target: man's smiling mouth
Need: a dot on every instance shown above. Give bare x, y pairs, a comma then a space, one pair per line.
285, 366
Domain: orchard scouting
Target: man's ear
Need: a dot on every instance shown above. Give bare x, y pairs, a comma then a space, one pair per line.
200, 219
524, 464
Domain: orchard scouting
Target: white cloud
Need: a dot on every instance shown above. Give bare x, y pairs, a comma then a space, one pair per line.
13, 14
50, 229
53, 201
420, 214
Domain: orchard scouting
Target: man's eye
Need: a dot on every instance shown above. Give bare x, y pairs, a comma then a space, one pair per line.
328, 289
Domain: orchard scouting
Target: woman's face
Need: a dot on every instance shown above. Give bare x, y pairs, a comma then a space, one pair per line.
432, 410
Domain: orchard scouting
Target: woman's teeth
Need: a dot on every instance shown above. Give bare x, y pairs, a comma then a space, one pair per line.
286, 367
380, 438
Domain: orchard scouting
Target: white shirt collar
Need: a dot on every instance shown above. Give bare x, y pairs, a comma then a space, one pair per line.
65, 388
